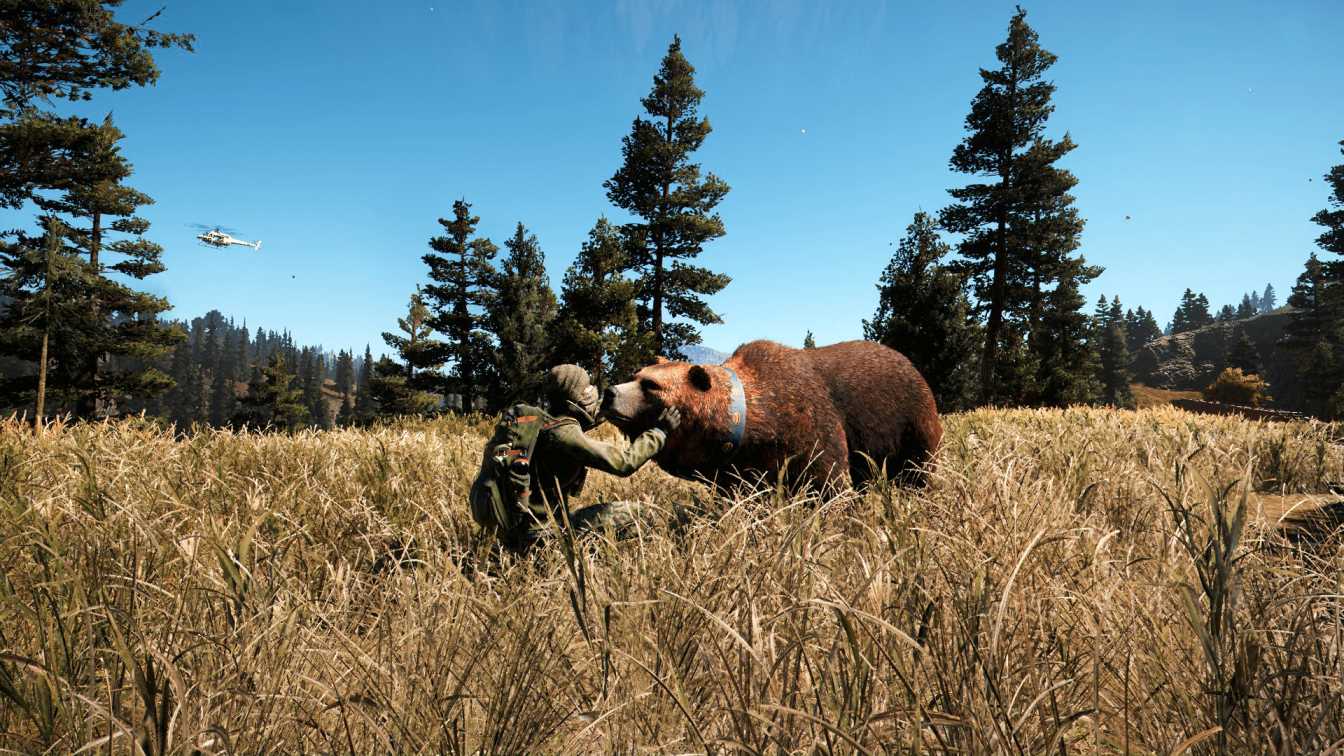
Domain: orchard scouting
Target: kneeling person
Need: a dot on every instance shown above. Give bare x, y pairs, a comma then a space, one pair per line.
537, 459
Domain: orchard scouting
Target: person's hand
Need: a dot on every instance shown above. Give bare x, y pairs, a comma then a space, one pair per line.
670, 419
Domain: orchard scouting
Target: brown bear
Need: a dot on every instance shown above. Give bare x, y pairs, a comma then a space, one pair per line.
818, 416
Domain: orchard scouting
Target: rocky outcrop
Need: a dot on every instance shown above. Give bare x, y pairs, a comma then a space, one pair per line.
1190, 361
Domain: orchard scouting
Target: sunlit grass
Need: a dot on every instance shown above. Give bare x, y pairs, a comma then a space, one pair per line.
1087, 580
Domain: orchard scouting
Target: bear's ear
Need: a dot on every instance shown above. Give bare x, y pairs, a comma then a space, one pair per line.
700, 378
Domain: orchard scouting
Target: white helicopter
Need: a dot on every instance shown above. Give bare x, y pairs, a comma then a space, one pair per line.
218, 238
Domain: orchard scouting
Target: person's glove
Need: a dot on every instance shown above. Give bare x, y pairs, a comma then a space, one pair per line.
670, 419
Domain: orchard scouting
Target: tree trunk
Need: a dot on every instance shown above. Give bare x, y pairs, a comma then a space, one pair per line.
995, 323
996, 292
40, 409
41, 381
658, 302
659, 253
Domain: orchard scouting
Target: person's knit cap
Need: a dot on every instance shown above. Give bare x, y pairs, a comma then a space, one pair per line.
567, 383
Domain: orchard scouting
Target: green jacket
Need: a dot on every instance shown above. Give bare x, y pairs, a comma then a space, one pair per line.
563, 455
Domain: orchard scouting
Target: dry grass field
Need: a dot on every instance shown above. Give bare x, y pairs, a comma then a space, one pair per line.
1072, 581
1147, 396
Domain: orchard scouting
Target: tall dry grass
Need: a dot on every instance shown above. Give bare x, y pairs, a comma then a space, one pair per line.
1085, 580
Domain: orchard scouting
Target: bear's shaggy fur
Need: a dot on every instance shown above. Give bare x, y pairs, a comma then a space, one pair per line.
815, 415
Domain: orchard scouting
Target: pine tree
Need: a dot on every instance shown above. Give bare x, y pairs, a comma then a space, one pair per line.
1192, 313
365, 408
1067, 363
345, 373
1316, 331
1019, 230
1140, 329
113, 323
1254, 301
416, 347
194, 397
463, 289
345, 386
59, 50
1112, 347
521, 318
1313, 336
1243, 355
53, 49
223, 374
1226, 314
41, 292
1199, 314
243, 364
312, 381
345, 416
422, 354
596, 325
922, 312
121, 322
1331, 219
809, 342
394, 396
1269, 300
272, 400
658, 183
1246, 309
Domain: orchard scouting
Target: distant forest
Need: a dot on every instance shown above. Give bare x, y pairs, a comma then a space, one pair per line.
984, 296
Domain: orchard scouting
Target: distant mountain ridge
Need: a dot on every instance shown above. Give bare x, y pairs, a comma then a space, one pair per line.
703, 355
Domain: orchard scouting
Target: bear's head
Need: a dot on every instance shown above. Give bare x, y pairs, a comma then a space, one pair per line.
702, 393
634, 406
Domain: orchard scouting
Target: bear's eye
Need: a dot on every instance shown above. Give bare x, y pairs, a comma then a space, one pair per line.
649, 385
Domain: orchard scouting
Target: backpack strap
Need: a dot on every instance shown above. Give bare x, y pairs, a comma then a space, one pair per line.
559, 421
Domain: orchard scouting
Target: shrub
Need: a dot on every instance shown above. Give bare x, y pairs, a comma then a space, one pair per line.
1235, 387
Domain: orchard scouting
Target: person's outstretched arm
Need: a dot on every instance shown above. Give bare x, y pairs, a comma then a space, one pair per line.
611, 458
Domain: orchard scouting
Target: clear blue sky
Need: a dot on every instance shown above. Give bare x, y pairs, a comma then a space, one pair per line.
338, 131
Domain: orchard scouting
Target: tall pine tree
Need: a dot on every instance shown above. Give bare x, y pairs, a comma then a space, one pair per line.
120, 322
1019, 228
106, 345
461, 293
52, 50
658, 183
521, 317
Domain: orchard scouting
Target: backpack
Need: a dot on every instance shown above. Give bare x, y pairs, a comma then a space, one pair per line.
502, 487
